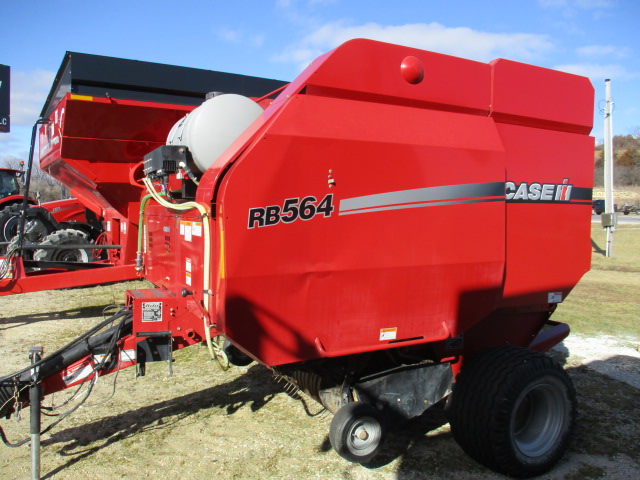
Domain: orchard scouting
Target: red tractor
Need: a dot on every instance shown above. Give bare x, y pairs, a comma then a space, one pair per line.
9, 187
394, 229
40, 220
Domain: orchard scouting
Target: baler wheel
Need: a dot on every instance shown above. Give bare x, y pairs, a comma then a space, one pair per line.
513, 410
357, 432
62, 254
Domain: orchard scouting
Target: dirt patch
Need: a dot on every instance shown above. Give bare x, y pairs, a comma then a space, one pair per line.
202, 422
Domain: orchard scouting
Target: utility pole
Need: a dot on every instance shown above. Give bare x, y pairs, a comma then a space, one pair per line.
609, 215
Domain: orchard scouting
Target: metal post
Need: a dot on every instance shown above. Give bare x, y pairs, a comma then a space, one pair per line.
609, 216
27, 185
35, 395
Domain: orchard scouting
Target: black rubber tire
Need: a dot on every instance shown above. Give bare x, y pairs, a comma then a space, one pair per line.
61, 238
357, 432
236, 356
9, 223
513, 410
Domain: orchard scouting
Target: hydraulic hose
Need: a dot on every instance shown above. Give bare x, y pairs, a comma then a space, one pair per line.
13, 387
143, 204
75, 350
206, 284
27, 184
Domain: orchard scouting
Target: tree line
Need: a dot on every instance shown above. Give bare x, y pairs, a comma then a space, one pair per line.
43, 187
626, 160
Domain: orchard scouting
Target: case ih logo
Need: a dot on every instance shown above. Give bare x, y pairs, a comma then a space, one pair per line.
538, 192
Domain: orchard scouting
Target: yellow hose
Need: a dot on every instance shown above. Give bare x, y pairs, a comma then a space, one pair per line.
205, 214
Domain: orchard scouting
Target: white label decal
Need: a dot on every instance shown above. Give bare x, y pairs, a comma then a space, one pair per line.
388, 333
75, 373
151, 311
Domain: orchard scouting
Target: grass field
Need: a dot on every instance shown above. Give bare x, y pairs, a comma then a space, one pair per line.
607, 299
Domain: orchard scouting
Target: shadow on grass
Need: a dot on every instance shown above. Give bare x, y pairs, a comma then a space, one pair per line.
71, 314
597, 249
255, 388
423, 447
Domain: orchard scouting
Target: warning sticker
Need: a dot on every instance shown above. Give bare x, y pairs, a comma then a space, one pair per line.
77, 372
197, 229
6, 268
128, 355
388, 333
188, 231
151, 311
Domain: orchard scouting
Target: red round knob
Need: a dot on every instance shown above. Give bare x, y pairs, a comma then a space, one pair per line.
412, 70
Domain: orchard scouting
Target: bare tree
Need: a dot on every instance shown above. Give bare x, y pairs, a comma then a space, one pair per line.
43, 186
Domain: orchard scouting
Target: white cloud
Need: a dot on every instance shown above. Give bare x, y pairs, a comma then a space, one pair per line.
598, 72
604, 51
228, 35
459, 41
28, 93
239, 37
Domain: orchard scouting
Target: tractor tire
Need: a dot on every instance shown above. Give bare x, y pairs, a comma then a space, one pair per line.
357, 432
9, 223
513, 410
61, 238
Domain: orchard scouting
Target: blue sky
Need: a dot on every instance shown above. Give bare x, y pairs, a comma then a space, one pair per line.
277, 38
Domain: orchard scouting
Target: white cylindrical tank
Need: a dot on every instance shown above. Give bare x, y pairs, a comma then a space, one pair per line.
212, 127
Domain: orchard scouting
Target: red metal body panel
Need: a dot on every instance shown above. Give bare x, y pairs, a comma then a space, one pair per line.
371, 208
21, 282
93, 144
66, 210
13, 199
174, 315
362, 269
174, 249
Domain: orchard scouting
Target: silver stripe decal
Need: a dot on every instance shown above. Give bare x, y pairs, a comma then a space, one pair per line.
423, 197
420, 205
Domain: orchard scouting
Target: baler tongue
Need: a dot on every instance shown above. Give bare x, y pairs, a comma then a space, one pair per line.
92, 354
